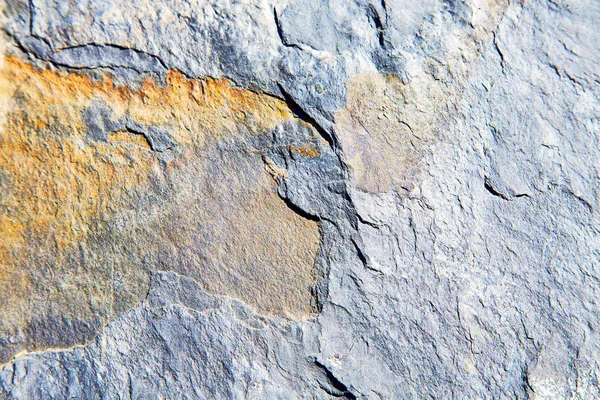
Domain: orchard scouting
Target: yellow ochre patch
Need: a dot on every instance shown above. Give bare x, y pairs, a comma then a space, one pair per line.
83, 220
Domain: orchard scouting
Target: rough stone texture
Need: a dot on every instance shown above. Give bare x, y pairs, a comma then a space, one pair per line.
104, 185
300, 199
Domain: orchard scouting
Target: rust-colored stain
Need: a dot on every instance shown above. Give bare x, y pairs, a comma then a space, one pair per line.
308, 152
83, 220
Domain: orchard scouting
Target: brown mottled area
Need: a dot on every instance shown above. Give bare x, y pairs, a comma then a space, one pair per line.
389, 127
385, 129
309, 152
83, 218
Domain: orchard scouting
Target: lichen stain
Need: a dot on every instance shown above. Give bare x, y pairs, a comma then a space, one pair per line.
83, 221
307, 152
385, 129
389, 127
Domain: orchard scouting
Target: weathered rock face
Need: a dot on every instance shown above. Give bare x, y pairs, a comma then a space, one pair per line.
300, 199
104, 184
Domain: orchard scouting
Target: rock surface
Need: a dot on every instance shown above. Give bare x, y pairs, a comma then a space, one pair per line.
300, 199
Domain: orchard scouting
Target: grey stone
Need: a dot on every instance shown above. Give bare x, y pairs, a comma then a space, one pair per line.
481, 280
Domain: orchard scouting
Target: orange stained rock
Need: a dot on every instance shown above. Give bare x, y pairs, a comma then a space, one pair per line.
309, 152
82, 220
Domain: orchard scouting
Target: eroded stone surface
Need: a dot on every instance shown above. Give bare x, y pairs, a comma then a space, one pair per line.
385, 130
101, 184
457, 199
